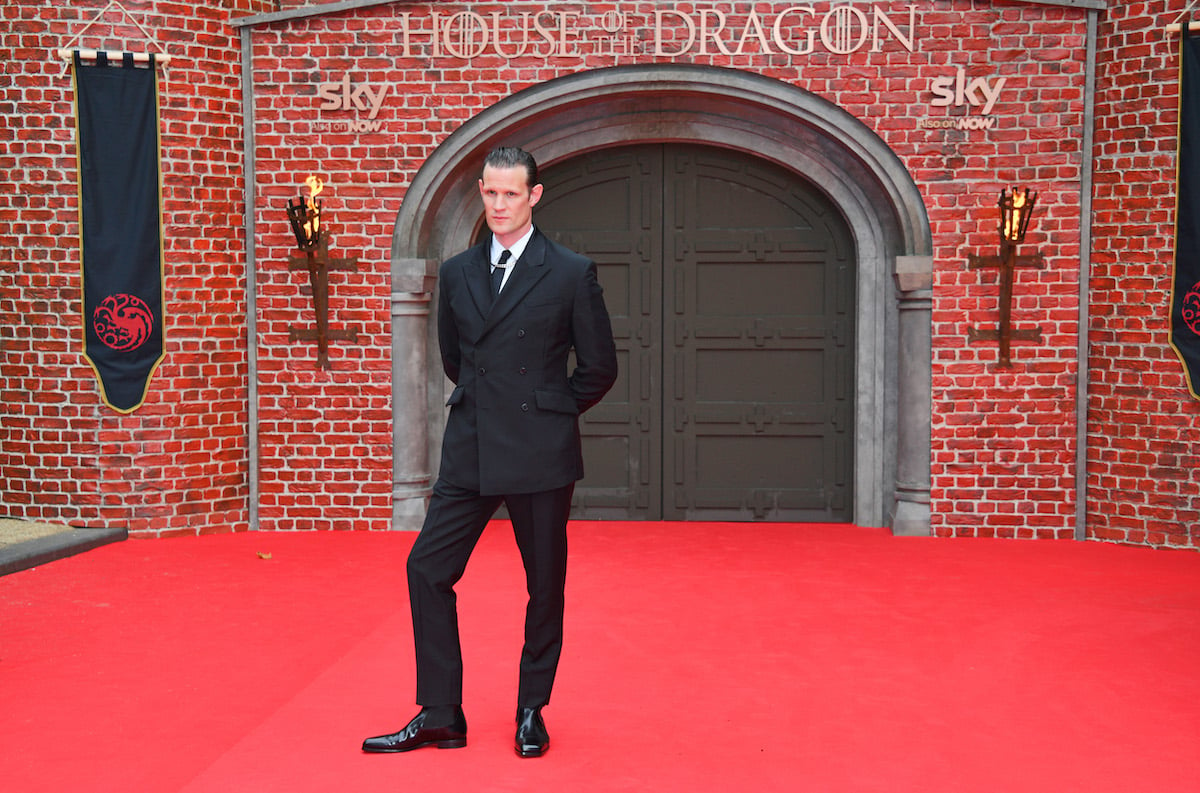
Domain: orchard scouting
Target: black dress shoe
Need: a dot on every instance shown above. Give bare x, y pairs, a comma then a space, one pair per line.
532, 738
423, 731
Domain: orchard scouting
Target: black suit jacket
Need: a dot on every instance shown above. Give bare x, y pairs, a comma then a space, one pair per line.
514, 413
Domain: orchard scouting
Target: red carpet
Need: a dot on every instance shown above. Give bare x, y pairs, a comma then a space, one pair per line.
699, 658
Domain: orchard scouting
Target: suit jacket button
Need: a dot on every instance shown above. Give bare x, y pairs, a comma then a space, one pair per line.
523, 370
525, 406
482, 371
520, 334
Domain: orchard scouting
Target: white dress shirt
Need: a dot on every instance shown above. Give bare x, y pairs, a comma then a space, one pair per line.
515, 252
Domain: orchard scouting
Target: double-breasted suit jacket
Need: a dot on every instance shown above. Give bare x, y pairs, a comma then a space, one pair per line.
514, 412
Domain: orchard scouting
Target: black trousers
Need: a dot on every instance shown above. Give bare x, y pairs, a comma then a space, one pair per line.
438, 559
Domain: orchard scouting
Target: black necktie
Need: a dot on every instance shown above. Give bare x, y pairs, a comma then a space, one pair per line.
498, 272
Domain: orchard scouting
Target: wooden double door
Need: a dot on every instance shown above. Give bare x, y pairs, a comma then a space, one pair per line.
730, 282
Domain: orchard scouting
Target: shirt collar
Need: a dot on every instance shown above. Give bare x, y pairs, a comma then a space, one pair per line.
516, 250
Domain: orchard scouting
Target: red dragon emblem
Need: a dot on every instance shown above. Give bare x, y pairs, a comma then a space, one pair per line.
1191, 309
123, 322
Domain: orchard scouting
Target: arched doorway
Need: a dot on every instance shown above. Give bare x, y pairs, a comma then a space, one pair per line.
728, 109
730, 282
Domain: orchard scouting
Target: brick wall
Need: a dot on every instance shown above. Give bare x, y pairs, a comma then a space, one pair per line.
178, 464
1143, 426
326, 435
1003, 439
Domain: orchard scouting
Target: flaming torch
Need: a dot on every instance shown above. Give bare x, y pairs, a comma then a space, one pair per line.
1015, 211
313, 239
305, 215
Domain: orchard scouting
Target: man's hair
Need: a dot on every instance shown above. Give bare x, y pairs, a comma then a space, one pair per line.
512, 157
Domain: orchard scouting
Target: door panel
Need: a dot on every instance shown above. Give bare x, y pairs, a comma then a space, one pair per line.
606, 208
730, 283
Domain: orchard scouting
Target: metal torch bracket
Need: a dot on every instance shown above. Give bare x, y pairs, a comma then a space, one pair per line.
318, 264
1007, 263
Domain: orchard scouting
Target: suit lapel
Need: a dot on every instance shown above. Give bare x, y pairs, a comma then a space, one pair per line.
479, 279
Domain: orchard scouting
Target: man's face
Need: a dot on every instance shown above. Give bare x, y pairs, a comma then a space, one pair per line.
508, 201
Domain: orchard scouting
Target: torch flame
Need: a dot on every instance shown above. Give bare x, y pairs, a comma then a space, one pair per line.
315, 186
1012, 220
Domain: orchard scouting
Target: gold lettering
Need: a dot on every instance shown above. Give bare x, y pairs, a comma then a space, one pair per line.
547, 33
658, 33
524, 35
564, 28
879, 16
406, 44
764, 43
466, 35
716, 32
839, 23
777, 32
710, 30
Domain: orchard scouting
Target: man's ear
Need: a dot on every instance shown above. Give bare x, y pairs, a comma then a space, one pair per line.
535, 194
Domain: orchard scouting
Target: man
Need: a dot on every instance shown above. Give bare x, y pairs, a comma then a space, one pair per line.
512, 437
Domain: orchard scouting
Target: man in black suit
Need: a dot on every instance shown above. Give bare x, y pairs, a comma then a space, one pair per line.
510, 311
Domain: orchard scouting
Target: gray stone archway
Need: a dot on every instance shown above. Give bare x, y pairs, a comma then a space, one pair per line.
718, 107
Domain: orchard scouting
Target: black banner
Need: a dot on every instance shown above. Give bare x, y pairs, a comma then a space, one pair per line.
1185, 296
116, 112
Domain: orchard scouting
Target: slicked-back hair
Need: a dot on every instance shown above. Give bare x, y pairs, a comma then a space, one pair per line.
512, 157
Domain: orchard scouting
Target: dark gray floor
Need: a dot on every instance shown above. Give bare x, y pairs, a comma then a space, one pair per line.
26, 544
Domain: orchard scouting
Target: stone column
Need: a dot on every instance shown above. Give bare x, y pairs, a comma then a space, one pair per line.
412, 289
914, 279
